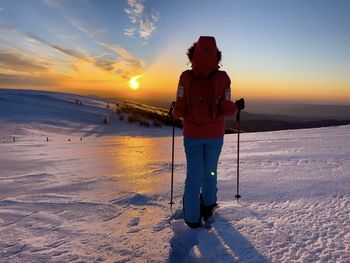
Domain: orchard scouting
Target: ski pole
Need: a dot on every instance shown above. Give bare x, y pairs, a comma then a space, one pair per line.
172, 154
238, 117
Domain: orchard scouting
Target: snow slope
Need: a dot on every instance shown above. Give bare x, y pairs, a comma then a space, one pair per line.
59, 113
295, 205
105, 198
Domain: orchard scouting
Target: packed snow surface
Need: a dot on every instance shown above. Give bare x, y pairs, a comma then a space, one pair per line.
74, 190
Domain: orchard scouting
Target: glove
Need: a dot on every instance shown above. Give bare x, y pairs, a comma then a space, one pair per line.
240, 104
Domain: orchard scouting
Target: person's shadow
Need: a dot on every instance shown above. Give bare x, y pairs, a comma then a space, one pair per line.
223, 243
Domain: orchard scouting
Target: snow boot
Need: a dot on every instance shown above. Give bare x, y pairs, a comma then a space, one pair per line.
194, 225
206, 211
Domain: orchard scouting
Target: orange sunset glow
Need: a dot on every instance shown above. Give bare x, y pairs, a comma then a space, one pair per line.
277, 58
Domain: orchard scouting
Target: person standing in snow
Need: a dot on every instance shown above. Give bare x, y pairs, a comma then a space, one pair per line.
203, 99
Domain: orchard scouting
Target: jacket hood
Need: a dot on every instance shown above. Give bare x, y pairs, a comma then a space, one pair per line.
205, 58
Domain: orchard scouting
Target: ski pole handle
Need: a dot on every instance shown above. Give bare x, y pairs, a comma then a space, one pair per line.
170, 112
238, 116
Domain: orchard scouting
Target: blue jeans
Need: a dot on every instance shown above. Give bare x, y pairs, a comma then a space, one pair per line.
202, 156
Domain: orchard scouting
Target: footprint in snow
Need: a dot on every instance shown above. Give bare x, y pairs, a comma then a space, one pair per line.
134, 222
184, 239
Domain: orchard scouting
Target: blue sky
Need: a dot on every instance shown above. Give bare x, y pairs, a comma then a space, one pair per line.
279, 49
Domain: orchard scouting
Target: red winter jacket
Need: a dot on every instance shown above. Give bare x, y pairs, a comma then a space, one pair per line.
194, 128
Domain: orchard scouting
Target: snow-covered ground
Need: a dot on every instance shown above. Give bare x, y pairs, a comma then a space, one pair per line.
100, 193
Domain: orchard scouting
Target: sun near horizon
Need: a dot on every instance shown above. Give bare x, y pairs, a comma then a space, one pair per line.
134, 83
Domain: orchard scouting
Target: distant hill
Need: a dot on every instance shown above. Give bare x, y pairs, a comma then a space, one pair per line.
298, 111
303, 112
271, 122
271, 116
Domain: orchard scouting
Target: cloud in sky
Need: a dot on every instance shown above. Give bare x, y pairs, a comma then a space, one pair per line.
71, 52
23, 69
92, 57
25, 57
16, 61
107, 65
143, 19
125, 61
135, 10
52, 3
67, 51
26, 81
53, 66
129, 31
96, 34
90, 30
124, 55
127, 65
